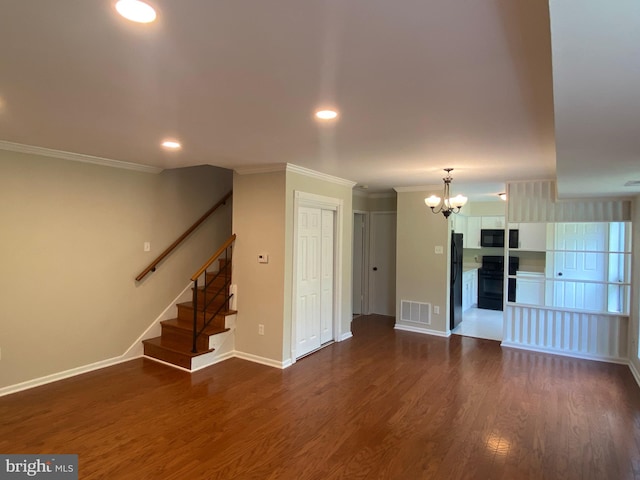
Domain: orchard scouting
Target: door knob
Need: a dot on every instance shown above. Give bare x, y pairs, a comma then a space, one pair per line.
375, 269
559, 274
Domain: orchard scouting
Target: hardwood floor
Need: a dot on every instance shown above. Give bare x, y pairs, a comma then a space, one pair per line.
385, 404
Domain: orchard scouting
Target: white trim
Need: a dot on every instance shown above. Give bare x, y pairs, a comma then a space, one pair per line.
417, 188
565, 353
426, 331
289, 167
319, 175
76, 157
217, 359
345, 336
54, 377
304, 199
267, 168
634, 372
262, 360
136, 350
177, 367
154, 330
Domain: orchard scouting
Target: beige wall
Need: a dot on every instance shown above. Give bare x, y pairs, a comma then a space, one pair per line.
303, 183
374, 202
263, 219
634, 320
421, 275
259, 223
478, 209
71, 246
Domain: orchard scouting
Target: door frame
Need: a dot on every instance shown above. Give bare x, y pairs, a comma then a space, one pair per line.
365, 261
311, 200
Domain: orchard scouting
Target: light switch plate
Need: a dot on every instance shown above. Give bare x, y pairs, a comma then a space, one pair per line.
439, 250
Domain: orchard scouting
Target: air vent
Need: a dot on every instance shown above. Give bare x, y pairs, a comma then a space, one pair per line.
632, 183
415, 312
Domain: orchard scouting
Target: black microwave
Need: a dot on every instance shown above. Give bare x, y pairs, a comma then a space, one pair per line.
495, 238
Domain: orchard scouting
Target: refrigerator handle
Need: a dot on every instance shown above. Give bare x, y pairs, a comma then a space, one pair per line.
454, 263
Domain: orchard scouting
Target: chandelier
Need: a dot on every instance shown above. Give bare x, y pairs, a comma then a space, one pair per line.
446, 205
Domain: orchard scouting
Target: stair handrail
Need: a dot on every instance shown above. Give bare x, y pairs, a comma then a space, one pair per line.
224, 290
213, 257
152, 266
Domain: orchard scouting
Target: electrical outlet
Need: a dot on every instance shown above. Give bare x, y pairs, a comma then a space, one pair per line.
147, 246
260, 329
436, 310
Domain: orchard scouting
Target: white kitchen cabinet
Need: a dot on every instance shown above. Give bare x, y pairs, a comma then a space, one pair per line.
493, 222
532, 237
469, 289
458, 223
472, 235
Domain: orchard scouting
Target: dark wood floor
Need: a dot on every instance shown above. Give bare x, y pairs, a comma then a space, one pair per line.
383, 405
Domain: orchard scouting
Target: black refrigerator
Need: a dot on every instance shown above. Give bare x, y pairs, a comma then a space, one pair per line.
455, 291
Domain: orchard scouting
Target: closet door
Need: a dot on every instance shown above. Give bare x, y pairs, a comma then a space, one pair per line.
315, 272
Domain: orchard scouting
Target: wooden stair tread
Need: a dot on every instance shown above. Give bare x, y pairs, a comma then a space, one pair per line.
174, 347
189, 305
188, 326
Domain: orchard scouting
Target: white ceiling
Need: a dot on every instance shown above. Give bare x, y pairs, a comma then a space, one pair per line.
420, 85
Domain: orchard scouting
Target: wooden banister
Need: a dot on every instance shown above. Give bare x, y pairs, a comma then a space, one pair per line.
213, 257
152, 266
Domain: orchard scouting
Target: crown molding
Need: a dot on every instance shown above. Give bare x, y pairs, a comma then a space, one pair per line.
419, 188
320, 176
76, 157
289, 167
253, 169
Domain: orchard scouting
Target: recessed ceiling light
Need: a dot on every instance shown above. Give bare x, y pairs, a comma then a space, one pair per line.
136, 11
171, 145
326, 114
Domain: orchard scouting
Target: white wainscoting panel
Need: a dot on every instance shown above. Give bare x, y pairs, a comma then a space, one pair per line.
576, 334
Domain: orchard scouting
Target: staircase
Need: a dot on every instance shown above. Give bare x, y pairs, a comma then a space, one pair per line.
175, 344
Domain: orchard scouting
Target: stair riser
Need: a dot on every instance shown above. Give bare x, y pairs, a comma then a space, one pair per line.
213, 306
186, 314
185, 338
167, 356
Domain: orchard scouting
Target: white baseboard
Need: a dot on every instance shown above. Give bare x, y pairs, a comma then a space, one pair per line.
137, 348
564, 353
262, 360
216, 359
634, 372
36, 382
426, 331
345, 336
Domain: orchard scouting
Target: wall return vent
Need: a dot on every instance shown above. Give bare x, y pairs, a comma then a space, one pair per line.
415, 312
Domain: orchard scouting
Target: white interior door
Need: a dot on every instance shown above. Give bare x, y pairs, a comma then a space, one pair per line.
382, 271
315, 273
326, 275
309, 280
582, 259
